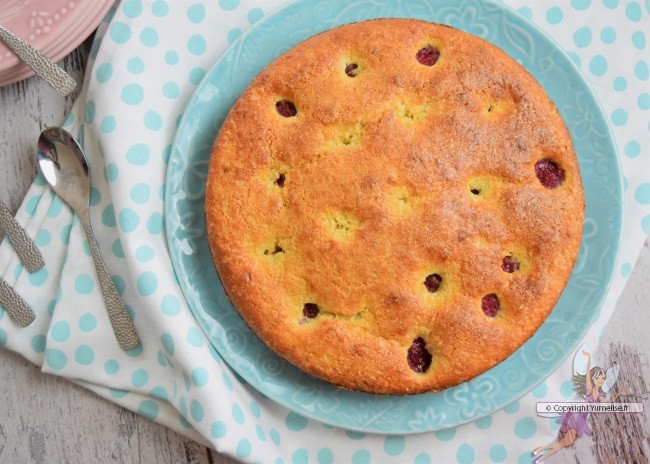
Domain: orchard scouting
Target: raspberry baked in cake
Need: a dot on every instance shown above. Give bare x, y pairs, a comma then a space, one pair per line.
394, 206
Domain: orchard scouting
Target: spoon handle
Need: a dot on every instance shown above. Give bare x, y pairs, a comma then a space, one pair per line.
25, 248
61, 81
122, 324
15, 305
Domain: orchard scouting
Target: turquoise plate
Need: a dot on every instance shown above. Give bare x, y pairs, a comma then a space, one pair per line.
535, 360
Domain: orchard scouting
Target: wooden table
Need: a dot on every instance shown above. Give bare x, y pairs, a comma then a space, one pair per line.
47, 419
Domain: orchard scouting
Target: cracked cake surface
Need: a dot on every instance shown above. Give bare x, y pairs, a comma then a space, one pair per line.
394, 206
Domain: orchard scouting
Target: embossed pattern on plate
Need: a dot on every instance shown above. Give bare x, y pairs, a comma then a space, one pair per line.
522, 371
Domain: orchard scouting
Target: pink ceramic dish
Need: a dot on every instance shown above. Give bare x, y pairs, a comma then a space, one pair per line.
54, 27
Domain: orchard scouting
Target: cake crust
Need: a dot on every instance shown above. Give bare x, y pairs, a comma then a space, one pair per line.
351, 171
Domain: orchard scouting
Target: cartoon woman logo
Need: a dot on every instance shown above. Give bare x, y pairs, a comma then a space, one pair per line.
591, 383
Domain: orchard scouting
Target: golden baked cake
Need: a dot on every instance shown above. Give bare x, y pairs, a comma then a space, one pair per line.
394, 206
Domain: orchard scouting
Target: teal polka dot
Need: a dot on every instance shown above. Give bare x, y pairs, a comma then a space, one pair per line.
170, 305
465, 454
620, 84
147, 283
200, 377
194, 337
196, 45
228, 4
117, 248
619, 117
137, 351
132, 94
87, 322
161, 359
90, 112
645, 224
56, 359
445, 434
632, 149
43, 238
295, 422
644, 101
526, 12
633, 11
84, 355
104, 72
117, 393
598, 65
111, 367
196, 411
165, 156
119, 32
361, 457
325, 456
608, 35
196, 75
255, 15
139, 378
641, 70
498, 453
554, 15
512, 407
148, 408
580, 4
611, 4
159, 392
233, 34
237, 414
226, 381
638, 40
422, 458
84, 284
484, 422
168, 343
642, 194
582, 37
95, 196
38, 343
55, 208
129, 220
626, 269
32, 204
355, 435
52, 304
170, 90
160, 8
218, 429
144, 254
540, 390
171, 57
184, 423
140, 193
525, 428
196, 13
394, 445
255, 409
38, 279
566, 389
138, 154
275, 436
135, 65
155, 224
112, 172
301, 456
153, 120
149, 37
132, 8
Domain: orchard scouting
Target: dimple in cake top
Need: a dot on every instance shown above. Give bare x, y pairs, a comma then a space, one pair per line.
394, 206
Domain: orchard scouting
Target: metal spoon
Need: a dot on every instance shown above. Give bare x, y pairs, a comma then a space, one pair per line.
60, 80
64, 166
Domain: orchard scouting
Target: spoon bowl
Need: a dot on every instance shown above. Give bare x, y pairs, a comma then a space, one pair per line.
64, 166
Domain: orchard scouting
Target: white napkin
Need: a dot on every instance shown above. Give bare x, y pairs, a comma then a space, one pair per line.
145, 63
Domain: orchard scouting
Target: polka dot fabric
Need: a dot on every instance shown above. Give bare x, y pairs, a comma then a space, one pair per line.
139, 80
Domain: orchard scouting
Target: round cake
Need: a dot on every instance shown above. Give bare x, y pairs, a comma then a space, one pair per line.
394, 206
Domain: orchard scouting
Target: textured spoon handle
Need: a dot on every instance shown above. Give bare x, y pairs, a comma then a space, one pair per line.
42, 66
24, 246
15, 305
122, 325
